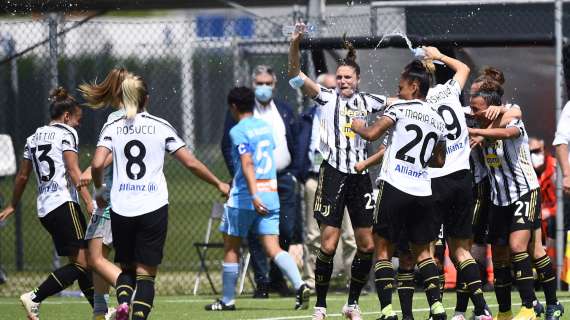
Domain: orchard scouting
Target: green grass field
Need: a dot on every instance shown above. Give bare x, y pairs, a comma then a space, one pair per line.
192, 307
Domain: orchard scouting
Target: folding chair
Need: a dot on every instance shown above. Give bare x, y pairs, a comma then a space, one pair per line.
202, 249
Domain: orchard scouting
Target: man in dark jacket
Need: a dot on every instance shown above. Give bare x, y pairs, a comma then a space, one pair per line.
284, 124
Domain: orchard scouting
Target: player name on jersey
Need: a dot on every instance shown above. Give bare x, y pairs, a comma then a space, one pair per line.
136, 129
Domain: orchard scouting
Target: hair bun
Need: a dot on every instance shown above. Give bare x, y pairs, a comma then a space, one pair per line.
58, 94
495, 74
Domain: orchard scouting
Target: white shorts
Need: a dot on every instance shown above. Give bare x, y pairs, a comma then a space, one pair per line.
100, 227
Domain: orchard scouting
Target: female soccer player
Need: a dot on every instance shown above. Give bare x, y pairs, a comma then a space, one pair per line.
98, 235
139, 195
52, 153
515, 211
340, 185
253, 205
404, 205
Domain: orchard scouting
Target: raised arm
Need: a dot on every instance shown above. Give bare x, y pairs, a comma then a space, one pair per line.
461, 69
374, 131
496, 133
309, 87
188, 160
20, 183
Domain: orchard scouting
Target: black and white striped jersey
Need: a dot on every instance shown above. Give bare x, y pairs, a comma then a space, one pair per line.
417, 130
476, 158
510, 171
339, 145
444, 99
45, 149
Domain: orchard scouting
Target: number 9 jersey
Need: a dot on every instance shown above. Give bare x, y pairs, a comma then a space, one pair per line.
45, 149
138, 147
417, 130
255, 137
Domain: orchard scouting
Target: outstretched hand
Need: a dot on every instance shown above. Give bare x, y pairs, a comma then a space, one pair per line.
297, 34
432, 53
6, 213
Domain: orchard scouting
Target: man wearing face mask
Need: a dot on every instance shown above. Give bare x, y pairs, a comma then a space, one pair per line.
285, 130
545, 166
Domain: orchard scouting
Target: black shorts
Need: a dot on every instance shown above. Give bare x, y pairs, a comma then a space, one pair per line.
140, 239
399, 215
453, 202
519, 215
66, 225
337, 190
481, 208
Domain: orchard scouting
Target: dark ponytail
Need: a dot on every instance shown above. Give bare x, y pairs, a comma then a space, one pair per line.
421, 71
350, 59
60, 103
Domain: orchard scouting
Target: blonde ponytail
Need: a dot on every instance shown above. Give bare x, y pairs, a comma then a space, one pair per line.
134, 95
107, 92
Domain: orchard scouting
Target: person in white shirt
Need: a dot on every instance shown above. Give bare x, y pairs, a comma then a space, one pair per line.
560, 143
139, 194
405, 203
340, 185
52, 153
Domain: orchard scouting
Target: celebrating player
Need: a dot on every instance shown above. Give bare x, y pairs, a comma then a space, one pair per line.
254, 202
515, 211
98, 235
451, 184
340, 185
404, 205
52, 153
139, 195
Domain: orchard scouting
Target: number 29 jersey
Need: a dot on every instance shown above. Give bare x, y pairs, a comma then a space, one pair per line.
417, 130
138, 147
255, 137
45, 149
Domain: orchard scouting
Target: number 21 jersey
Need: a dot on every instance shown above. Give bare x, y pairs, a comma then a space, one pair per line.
417, 130
138, 147
45, 149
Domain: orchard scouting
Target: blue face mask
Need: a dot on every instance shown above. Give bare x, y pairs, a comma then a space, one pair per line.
263, 93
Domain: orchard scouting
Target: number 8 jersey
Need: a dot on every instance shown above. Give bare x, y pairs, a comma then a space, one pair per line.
138, 147
417, 130
45, 149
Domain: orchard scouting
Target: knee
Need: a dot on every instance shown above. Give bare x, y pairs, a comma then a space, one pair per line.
518, 247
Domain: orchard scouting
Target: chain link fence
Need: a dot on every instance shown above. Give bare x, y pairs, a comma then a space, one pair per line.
189, 63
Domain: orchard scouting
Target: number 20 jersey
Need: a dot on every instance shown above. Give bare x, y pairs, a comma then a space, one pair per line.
45, 149
254, 137
138, 147
444, 98
417, 129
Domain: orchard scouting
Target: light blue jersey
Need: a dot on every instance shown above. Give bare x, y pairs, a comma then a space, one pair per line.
254, 136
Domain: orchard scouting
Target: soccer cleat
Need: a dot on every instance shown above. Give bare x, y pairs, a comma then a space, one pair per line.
351, 312
111, 314
319, 313
438, 311
554, 311
538, 308
261, 291
486, 315
507, 315
525, 314
219, 305
458, 316
32, 308
302, 297
122, 312
388, 314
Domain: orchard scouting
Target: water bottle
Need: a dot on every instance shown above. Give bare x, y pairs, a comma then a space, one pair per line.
420, 54
310, 30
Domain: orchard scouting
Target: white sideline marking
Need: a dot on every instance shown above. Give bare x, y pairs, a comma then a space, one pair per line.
367, 313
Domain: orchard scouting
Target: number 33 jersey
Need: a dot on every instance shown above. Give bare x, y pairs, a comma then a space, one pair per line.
45, 150
254, 137
417, 130
138, 147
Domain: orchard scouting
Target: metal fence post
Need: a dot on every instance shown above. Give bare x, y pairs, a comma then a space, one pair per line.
52, 26
188, 86
560, 236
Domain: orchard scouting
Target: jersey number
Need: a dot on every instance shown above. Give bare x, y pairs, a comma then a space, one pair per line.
43, 157
135, 159
454, 125
401, 154
520, 206
262, 153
